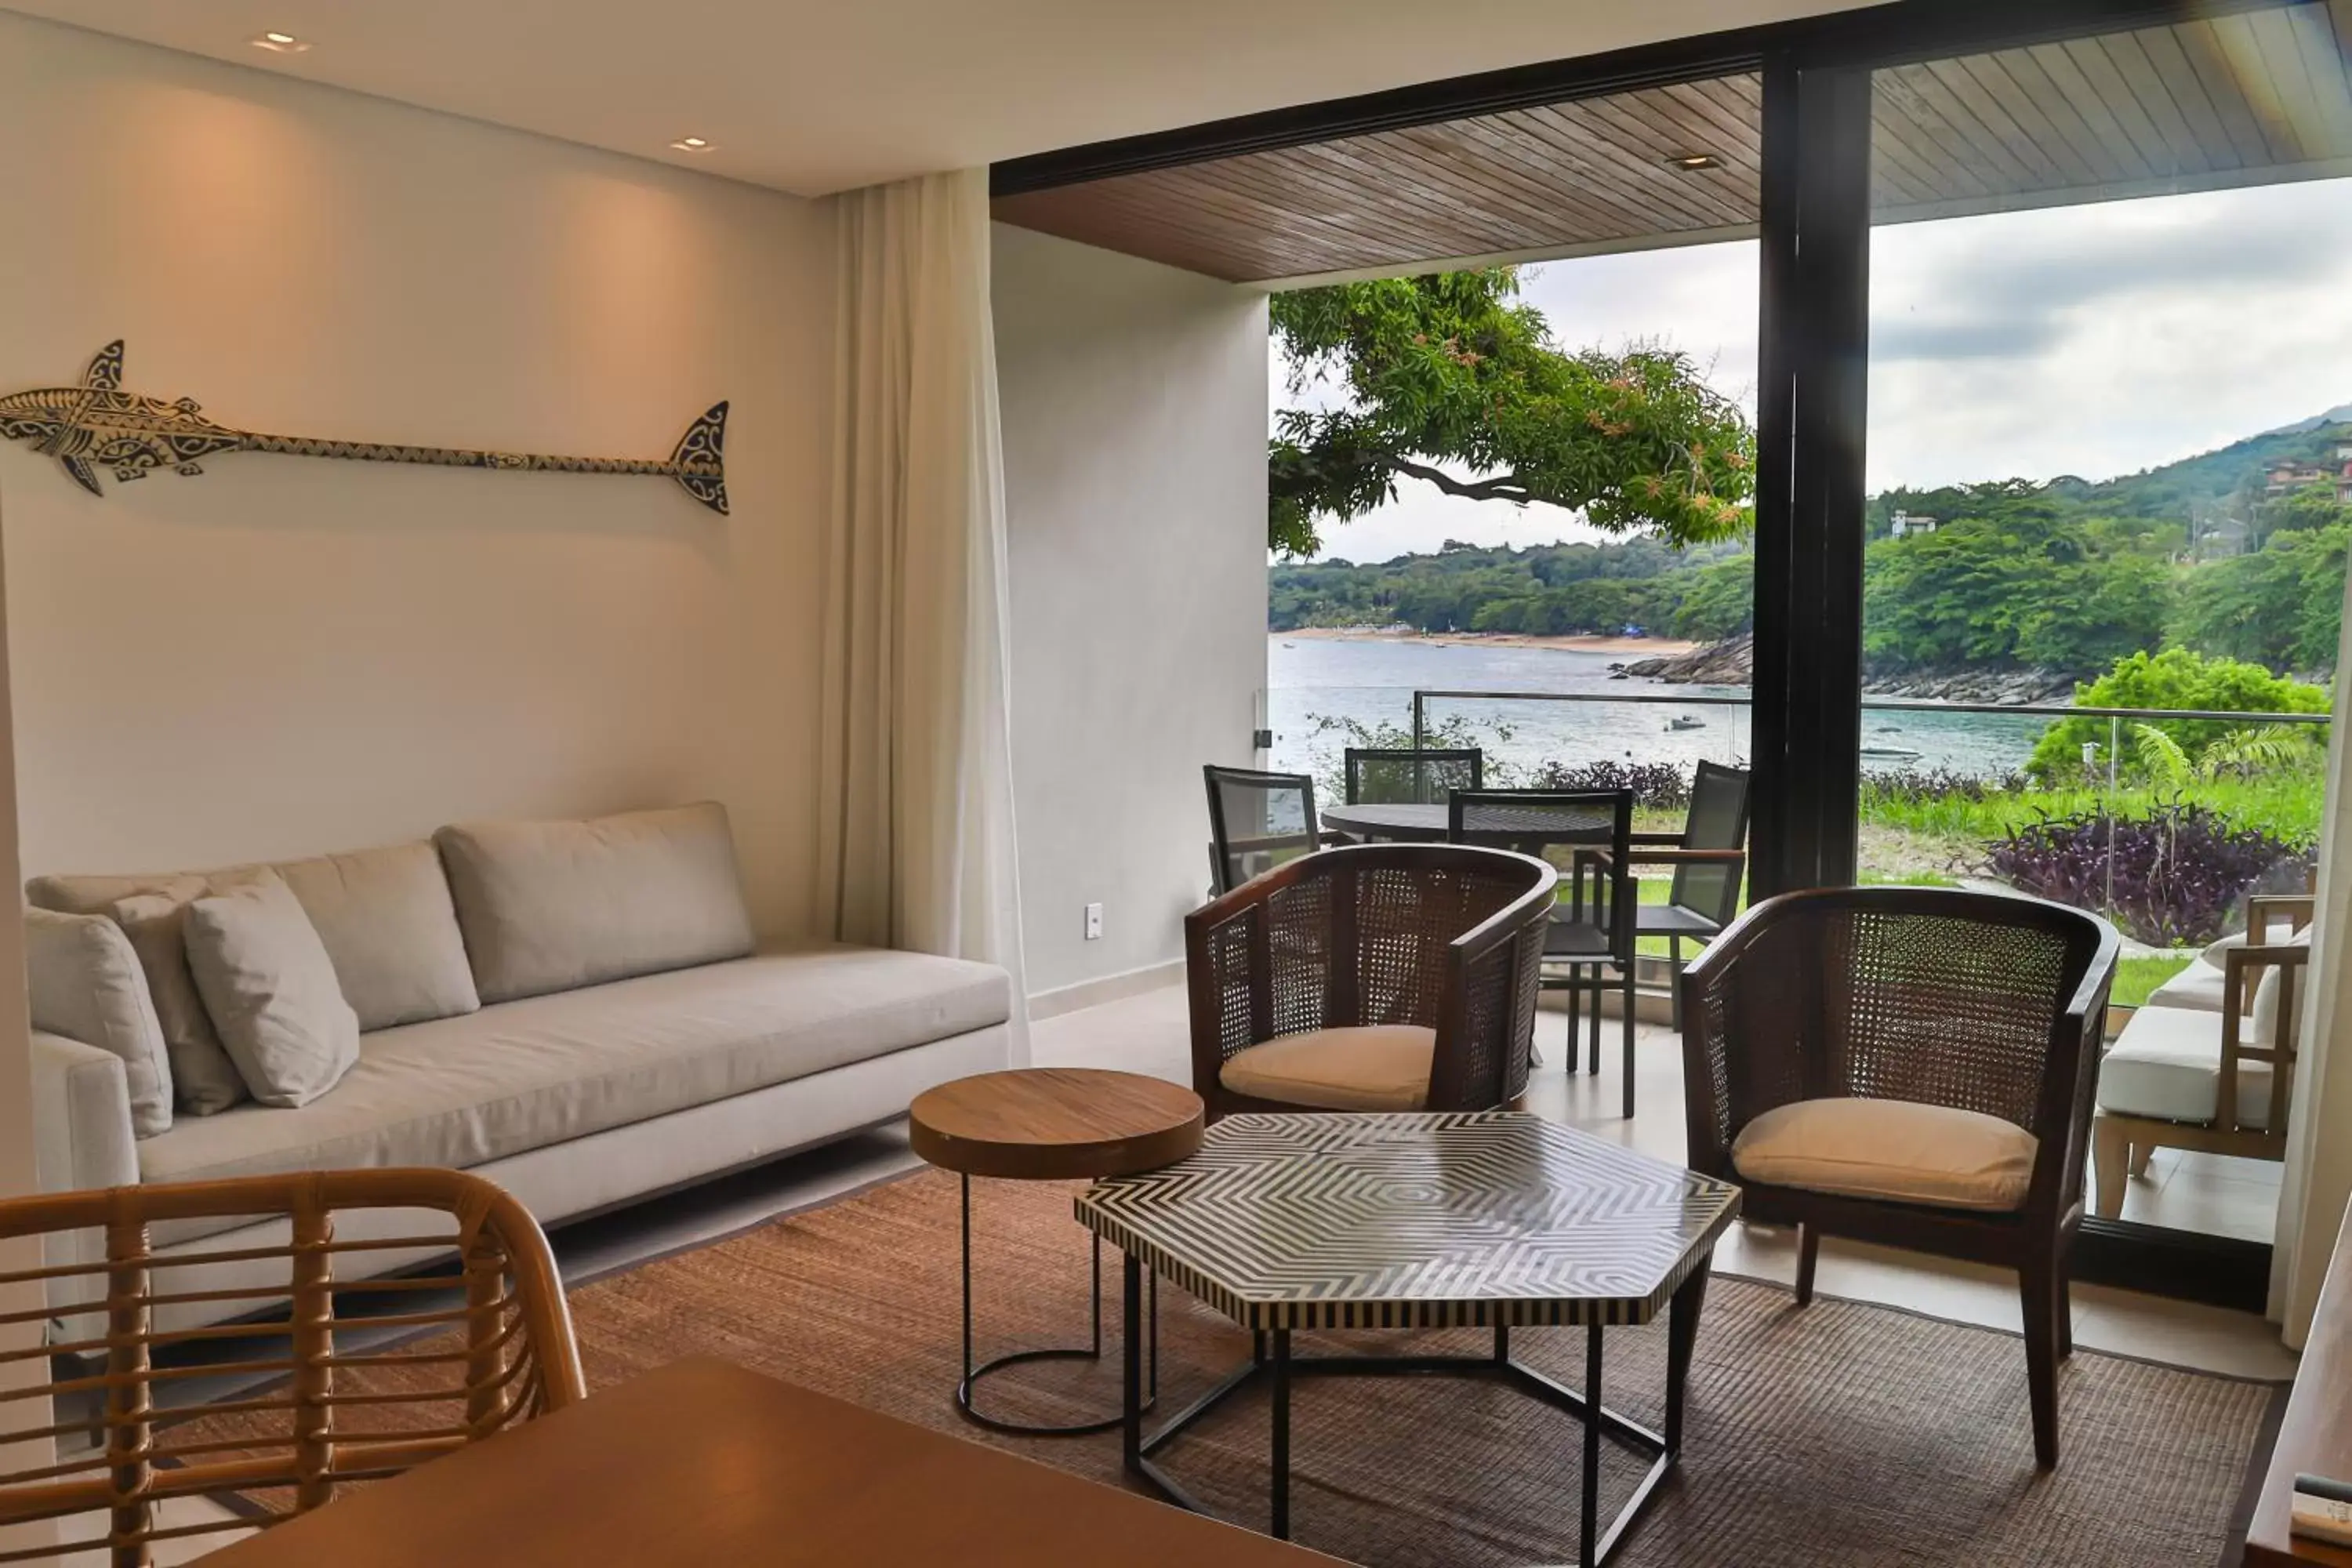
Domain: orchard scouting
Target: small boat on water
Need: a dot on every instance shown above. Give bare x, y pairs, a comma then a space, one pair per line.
1685, 721
1891, 753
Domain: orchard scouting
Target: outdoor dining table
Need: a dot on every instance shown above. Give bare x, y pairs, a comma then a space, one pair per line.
1404, 824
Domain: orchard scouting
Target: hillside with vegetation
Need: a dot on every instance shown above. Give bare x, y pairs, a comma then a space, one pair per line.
2061, 579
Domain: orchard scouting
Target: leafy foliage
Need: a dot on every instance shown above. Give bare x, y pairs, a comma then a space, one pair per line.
2282, 605
1550, 590
1662, 786
2178, 873
1448, 373
2179, 679
2014, 580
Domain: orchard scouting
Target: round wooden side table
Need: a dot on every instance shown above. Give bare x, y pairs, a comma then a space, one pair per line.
1052, 1124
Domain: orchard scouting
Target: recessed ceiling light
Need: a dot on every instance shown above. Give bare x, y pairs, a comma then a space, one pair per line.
1691, 161
691, 144
281, 43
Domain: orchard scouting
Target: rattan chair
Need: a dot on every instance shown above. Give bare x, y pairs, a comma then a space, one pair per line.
1589, 947
1256, 822
1376, 977
1379, 777
1911, 1067
1710, 860
312, 1410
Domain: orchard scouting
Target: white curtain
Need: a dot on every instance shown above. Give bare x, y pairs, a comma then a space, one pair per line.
2319, 1178
916, 841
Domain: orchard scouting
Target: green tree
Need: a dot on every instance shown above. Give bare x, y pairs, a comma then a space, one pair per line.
2282, 605
1718, 600
2019, 579
1448, 372
2175, 678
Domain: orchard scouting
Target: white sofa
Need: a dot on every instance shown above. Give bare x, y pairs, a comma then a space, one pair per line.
577, 1081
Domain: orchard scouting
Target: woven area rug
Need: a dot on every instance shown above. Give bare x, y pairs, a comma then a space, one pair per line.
1842, 1434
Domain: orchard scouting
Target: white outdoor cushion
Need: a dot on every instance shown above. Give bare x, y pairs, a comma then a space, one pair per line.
271, 990
523, 1075
2196, 988
1893, 1150
85, 983
2199, 984
2167, 1064
551, 906
387, 923
1377, 1066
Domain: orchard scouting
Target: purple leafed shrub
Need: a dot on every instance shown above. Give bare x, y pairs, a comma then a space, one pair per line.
2179, 872
1653, 783
1938, 784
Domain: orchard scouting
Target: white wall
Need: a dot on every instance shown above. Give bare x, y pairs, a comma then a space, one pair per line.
291, 654
1134, 400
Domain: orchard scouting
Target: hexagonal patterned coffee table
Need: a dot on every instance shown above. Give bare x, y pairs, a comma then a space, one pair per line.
1492, 1219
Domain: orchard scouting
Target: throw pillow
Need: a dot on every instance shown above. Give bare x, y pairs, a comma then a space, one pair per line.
271, 990
202, 1074
85, 984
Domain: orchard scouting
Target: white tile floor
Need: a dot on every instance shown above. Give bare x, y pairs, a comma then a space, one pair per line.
1149, 1033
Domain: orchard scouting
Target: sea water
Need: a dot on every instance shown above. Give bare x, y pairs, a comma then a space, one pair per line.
1371, 680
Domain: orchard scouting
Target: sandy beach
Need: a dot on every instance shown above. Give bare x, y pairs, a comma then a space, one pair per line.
1638, 648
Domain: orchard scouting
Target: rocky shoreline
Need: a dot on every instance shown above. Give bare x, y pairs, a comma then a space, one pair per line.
1733, 663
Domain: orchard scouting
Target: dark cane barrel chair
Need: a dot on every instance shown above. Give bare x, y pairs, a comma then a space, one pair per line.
1376, 977
1911, 1067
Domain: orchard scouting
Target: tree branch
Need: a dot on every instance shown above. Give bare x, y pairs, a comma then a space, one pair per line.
1500, 486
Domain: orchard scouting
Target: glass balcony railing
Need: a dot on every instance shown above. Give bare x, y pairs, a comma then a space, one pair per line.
2162, 820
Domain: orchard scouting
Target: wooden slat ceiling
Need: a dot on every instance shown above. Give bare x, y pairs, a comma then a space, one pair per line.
2237, 100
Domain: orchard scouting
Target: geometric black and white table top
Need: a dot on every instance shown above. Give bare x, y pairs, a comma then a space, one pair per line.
1415, 1219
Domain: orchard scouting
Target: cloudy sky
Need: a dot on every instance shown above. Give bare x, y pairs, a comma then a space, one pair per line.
2094, 339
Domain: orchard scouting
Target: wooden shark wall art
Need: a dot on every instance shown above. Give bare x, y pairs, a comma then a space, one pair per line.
98, 425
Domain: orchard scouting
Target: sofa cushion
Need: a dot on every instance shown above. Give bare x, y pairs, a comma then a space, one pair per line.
204, 1080
84, 981
1893, 1150
1377, 1066
551, 906
523, 1074
271, 990
2167, 1064
388, 925
96, 895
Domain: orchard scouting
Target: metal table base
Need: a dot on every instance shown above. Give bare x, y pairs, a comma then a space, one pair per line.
1092, 1352
1273, 1360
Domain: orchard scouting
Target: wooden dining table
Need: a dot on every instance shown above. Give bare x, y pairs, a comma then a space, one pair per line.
703, 1462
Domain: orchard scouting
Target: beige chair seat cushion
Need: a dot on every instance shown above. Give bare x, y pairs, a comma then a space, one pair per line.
1377, 1066
525, 1075
1892, 1150
2166, 1066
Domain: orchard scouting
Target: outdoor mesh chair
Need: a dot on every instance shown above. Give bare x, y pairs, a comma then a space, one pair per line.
1410, 778
1589, 945
1911, 1067
1256, 822
319, 1410
1710, 861
1376, 977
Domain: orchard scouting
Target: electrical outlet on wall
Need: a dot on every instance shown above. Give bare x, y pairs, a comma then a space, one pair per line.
1094, 922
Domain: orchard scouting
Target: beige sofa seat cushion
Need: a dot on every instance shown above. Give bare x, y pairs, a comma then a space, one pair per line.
552, 906
84, 981
1892, 1150
389, 926
271, 990
2167, 1064
1377, 1066
523, 1075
